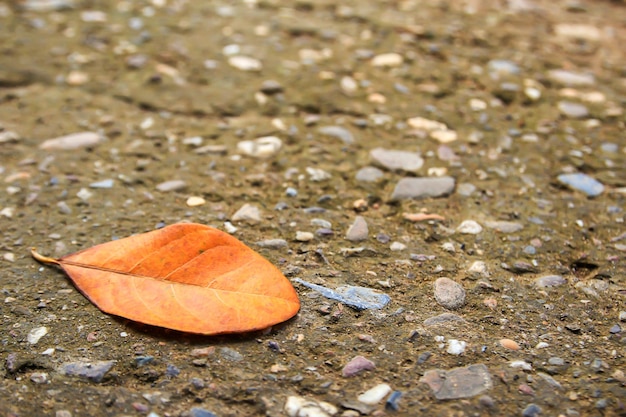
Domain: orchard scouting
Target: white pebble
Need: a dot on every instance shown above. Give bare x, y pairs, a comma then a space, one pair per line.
195, 201
469, 227
230, 228
375, 395
456, 347
35, 334
522, 365
387, 60
264, 147
72, 141
84, 194
303, 407
317, 174
245, 63
397, 246
426, 124
478, 267
444, 136
304, 236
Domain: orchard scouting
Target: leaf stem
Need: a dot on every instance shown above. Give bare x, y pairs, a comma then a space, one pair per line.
43, 259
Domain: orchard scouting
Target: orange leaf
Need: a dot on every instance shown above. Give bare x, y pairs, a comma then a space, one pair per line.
186, 277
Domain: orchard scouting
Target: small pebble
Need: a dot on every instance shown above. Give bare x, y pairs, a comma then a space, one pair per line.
303, 407
397, 246
35, 334
195, 201
245, 63
262, 148
375, 395
582, 182
272, 243
456, 347
304, 236
550, 281
357, 365
469, 227
449, 294
571, 78
387, 60
369, 174
573, 110
95, 370
64, 208
200, 412
338, 132
395, 160
417, 188
531, 410
509, 344
172, 185
358, 231
102, 184
73, 141
231, 354
247, 213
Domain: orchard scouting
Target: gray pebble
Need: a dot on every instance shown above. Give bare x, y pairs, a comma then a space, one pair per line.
573, 110
449, 294
397, 160
272, 243
550, 281
94, 371
337, 132
64, 208
369, 174
172, 185
571, 78
408, 188
201, 412
532, 410
498, 67
443, 318
615, 329
270, 87
358, 231
231, 354
321, 223
247, 213
504, 226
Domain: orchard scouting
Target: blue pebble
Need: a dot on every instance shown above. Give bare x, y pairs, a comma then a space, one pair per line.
582, 182
201, 412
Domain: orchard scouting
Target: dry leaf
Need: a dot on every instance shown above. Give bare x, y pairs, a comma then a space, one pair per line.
186, 277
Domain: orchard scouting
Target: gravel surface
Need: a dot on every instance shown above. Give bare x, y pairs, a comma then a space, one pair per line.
443, 182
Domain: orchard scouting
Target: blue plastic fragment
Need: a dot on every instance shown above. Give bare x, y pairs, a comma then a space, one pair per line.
582, 182
392, 401
359, 298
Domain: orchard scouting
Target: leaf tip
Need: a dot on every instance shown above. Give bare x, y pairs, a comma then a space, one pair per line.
44, 259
